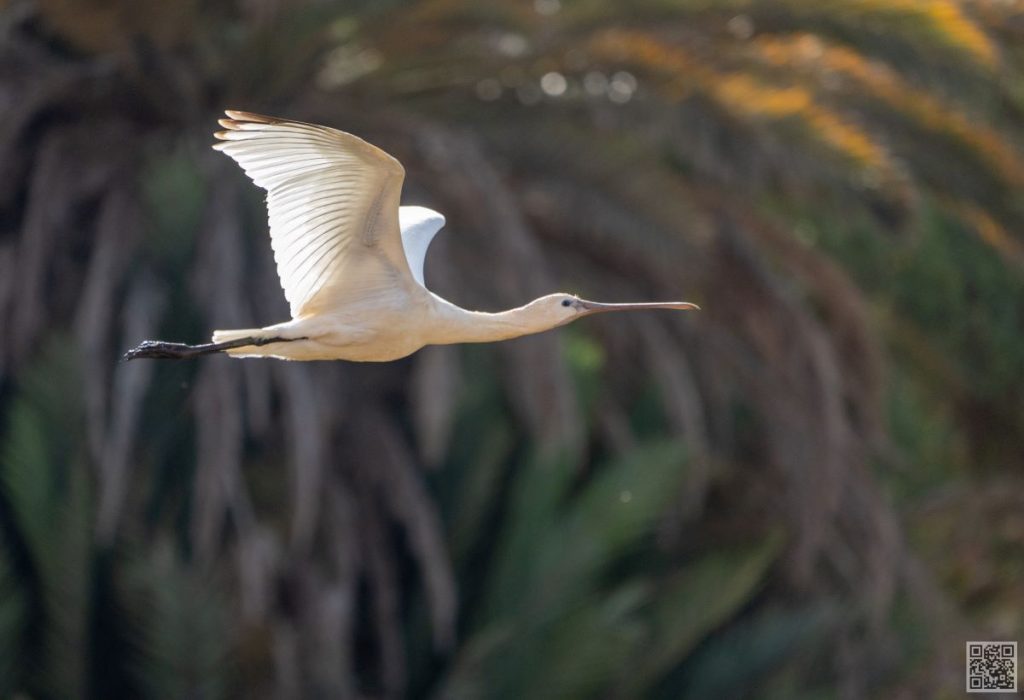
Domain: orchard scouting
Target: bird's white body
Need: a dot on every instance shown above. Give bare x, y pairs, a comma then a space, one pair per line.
389, 327
351, 259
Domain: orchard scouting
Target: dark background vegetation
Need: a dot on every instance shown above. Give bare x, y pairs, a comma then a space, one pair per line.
810, 489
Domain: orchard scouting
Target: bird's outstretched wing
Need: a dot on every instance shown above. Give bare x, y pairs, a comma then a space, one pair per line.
332, 201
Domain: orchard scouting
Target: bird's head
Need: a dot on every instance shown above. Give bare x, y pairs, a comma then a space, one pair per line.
559, 309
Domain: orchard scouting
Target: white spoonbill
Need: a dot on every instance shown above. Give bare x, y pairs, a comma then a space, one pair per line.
350, 258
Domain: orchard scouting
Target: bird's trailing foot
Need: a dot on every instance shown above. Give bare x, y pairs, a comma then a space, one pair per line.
158, 349
162, 350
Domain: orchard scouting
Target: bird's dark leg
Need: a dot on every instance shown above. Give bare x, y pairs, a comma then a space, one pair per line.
158, 349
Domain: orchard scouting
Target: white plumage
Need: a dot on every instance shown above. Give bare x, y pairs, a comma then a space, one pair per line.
419, 225
350, 258
332, 201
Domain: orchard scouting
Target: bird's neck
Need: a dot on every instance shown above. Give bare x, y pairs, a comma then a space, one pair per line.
458, 325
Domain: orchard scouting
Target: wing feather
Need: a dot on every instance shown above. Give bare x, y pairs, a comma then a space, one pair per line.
332, 204
419, 225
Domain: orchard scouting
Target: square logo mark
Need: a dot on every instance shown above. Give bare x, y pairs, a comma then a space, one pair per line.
991, 667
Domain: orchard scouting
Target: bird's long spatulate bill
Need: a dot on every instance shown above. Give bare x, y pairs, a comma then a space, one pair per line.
594, 307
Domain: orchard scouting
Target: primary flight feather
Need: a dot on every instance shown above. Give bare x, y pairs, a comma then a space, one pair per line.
351, 259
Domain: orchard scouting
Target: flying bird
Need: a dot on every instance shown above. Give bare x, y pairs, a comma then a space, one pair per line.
350, 258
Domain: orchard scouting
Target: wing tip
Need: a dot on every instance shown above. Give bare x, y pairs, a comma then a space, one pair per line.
231, 135
243, 121
238, 115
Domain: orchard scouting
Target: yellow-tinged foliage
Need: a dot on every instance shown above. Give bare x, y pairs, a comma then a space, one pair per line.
809, 53
945, 18
743, 95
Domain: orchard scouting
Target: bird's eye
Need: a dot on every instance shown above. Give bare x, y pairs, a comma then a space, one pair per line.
566, 302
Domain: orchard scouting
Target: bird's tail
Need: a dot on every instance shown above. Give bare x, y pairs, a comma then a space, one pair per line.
256, 342
228, 336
